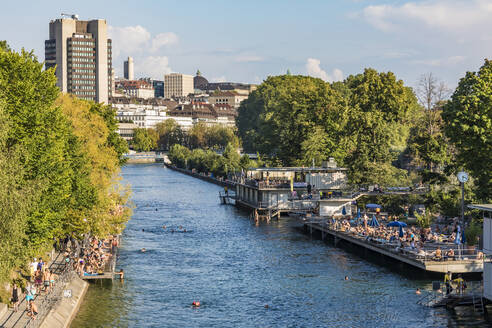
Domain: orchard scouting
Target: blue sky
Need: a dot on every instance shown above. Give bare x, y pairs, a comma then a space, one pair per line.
246, 41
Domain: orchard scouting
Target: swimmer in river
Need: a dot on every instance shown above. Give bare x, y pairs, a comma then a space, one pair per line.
266, 306
143, 250
164, 227
156, 209
184, 230
418, 291
180, 227
346, 278
122, 274
143, 230
196, 303
172, 230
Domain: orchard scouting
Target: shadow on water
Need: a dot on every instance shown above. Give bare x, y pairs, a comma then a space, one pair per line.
235, 268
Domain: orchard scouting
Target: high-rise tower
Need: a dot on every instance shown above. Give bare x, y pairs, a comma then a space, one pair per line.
81, 52
128, 69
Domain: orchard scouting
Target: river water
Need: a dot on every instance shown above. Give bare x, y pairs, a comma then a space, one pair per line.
235, 268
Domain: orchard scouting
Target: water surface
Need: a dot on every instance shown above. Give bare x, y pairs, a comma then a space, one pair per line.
235, 268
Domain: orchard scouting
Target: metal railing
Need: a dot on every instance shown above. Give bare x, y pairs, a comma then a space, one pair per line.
54, 295
474, 289
426, 254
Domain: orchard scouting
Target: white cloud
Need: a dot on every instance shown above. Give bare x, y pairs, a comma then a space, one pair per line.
446, 61
153, 66
314, 69
128, 39
163, 39
448, 15
137, 42
248, 59
219, 79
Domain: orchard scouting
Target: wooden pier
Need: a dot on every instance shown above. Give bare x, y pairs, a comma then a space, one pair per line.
456, 266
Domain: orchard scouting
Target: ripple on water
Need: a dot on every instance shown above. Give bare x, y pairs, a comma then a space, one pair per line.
234, 268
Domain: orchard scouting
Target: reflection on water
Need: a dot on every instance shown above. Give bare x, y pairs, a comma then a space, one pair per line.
235, 268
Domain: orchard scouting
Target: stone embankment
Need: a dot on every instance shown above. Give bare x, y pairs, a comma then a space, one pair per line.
64, 312
222, 183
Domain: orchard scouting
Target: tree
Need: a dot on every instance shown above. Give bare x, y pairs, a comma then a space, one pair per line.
379, 104
468, 125
427, 143
113, 140
169, 133
96, 192
144, 139
285, 110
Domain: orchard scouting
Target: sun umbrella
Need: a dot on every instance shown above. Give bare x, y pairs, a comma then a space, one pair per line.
400, 234
344, 211
374, 222
396, 224
373, 206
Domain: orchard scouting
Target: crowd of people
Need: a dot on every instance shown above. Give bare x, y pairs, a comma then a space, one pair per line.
436, 242
85, 258
93, 258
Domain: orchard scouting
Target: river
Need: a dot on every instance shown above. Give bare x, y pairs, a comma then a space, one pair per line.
235, 268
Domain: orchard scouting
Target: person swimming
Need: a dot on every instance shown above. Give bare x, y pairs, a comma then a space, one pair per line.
346, 278
143, 250
196, 304
418, 291
164, 227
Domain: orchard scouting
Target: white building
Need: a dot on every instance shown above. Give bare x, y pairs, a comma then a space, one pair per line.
487, 248
231, 98
178, 85
136, 89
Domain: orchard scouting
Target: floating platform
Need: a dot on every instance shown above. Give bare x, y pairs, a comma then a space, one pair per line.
455, 266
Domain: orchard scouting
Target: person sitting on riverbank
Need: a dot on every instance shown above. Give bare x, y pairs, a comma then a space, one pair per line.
32, 309
450, 254
438, 254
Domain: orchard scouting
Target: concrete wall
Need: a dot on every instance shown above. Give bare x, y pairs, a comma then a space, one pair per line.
63, 314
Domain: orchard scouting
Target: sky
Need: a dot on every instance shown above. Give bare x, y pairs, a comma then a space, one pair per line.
247, 41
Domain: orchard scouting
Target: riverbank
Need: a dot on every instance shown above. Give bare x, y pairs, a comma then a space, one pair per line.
235, 268
207, 178
65, 311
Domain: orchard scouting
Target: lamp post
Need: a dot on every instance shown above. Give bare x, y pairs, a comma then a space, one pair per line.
462, 178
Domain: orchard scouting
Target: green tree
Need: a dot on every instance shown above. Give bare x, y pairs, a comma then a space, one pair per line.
169, 133
379, 105
285, 110
144, 139
468, 125
113, 140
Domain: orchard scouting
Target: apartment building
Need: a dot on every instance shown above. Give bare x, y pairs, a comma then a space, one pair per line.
178, 85
81, 52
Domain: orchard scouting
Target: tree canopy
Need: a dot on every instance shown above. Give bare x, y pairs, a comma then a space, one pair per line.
468, 125
59, 163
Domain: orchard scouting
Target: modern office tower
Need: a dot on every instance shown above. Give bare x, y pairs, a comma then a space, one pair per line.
128, 69
81, 52
177, 85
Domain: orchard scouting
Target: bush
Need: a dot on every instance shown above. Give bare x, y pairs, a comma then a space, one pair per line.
472, 233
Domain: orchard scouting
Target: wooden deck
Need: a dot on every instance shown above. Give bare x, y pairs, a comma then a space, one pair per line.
106, 275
